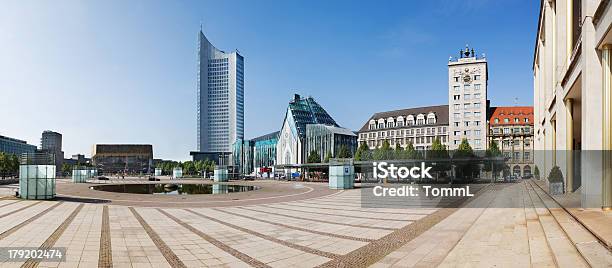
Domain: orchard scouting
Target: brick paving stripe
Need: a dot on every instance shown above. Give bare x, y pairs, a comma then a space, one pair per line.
172, 259
105, 258
376, 250
243, 257
31, 263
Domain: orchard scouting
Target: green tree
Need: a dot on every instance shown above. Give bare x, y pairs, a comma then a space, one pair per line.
437, 150
66, 169
4, 164
410, 152
314, 157
383, 152
465, 167
398, 152
494, 161
363, 152
188, 167
536, 172
344, 152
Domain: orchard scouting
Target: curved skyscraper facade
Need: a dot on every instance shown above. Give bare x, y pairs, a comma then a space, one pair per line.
220, 97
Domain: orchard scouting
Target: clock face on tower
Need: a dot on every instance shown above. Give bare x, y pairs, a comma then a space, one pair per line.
467, 78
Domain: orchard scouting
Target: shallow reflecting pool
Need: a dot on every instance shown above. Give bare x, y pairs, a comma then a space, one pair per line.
174, 189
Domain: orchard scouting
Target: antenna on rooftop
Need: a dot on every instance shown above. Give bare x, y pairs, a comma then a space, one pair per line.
515, 101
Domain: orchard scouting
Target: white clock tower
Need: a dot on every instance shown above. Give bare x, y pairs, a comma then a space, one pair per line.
467, 100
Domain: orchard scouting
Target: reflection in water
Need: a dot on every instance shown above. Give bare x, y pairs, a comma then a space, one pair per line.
174, 189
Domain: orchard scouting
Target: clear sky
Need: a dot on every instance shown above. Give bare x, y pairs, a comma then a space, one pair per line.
125, 71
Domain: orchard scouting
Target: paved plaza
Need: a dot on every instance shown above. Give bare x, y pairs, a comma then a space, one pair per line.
297, 225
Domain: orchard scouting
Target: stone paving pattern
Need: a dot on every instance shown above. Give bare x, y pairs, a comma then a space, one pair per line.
332, 230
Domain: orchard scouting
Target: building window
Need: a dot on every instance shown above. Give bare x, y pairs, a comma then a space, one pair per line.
456, 88
496, 120
477, 77
477, 96
467, 114
506, 130
526, 156
456, 133
526, 120
456, 124
467, 96
467, 133
467, 105
477, 132
477, 123
457, 115
466, 86
516, 120
457, 106
456, 78
477, 142
456, 97
467, 123
476, 114
506, 120
476, 86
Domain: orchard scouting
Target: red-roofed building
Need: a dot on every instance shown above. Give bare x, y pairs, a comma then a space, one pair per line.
512, 129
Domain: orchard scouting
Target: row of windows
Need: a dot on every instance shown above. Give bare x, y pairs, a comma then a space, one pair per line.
467, 114
468, 123
516, 120
466, 87
477, 132
405, 141
517, 156
467, 96
402, 132
470, 105
515, 130
475, 142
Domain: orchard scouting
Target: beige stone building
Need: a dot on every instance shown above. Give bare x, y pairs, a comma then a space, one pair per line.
467, 99
572, 96
512, 129
419, 126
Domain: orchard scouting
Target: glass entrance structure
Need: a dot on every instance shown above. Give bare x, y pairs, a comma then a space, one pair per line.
37, 176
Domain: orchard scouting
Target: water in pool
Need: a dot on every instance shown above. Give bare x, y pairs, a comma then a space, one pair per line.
174, 189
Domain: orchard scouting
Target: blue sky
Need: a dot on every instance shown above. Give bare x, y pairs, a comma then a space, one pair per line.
125, 71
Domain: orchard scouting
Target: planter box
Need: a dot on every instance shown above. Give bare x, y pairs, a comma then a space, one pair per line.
555, 188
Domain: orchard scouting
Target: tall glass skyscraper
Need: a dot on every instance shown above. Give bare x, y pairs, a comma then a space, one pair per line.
220, 97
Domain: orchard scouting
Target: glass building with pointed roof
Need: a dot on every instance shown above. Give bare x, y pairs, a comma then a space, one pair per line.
302, 114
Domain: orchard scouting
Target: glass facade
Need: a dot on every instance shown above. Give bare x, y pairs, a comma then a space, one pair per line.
220, 97
326, 140
15, 146
242, 156
265, 152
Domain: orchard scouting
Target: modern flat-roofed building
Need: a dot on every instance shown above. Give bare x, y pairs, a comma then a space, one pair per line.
51, 142
512, 129
220, 98
419, 126
123, 158
15, 146
328, 140
572, 78
264, 154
